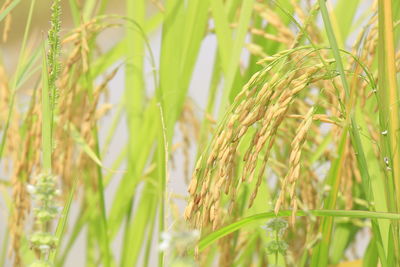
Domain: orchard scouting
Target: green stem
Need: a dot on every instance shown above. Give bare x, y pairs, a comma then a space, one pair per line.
361, 214
16, 78
276, 252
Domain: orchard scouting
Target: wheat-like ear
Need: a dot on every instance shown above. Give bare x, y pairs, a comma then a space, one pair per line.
53, 56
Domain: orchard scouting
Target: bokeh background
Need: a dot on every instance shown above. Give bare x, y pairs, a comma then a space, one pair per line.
197, 92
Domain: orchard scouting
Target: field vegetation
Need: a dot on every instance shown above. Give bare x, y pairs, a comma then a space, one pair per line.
292, 160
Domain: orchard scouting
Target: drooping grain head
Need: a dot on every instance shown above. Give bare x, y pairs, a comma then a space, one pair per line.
262, 106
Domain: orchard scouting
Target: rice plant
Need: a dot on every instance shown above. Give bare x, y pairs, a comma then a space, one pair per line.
120, 147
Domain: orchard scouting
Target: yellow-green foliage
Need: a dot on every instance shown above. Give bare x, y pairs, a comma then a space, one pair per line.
299, 133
